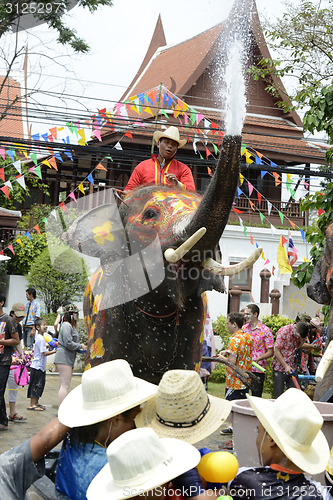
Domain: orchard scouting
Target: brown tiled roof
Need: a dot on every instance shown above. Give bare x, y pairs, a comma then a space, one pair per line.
179, 66
11, 125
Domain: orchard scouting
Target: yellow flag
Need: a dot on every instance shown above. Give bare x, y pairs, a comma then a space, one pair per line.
282, 260
241, 178
81, 188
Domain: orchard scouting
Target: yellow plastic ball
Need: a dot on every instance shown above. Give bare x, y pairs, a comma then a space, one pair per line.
218, 467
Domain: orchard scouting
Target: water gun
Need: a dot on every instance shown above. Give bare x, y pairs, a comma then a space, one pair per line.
258, 367
53, 343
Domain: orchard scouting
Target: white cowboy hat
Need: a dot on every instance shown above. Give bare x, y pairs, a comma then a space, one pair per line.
182, 409
106, 390
294, 423
170, 133
140, 461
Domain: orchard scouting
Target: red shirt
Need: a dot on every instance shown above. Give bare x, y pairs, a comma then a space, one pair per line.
150, 172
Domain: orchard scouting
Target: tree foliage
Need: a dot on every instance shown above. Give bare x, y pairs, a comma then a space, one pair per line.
49, 12
63, 278
303, 38
25, 254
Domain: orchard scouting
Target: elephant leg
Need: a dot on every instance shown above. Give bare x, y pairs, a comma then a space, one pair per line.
325, 384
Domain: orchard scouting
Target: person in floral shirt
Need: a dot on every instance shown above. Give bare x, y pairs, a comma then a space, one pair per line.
239, 353
288, 339
263, 343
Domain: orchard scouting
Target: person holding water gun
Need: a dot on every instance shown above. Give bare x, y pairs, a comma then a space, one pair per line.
38, 367
288, 339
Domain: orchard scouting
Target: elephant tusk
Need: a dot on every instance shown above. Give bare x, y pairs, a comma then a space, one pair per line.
325, 362
217, 268
172, 255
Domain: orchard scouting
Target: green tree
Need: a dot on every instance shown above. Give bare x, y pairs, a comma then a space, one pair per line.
26, 253
12, 13
64, 278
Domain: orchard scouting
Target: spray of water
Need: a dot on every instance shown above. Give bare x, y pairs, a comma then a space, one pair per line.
231, 64
234, 90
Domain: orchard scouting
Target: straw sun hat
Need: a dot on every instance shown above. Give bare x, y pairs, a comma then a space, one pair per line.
139, 461
106, 390
182, 409
294, 423
170, 133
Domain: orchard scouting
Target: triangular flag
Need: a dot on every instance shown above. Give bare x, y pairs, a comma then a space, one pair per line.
261, 217
250, 187
37, 228
33, 156
303, 235
273, 269
46, 162
28, 235
269, 207
5, 190
128, 134
2, 174
53, 163
277, 178
281, 216
72, 195
239, 192
101, 167
305, 259
282, 259
251, 239
53, 132
18, 240
273, 229
252, 205
263, 172
291, 222
21, 181
118, 146
259, 162
81, 141
208, 153
284, 240
259, 198
81, 188
266, 262
62, 206
11, 249
17, 165
244, 230
38, 172
69, 154
90, 178
10, 153
3, 153
241, 178
237, 211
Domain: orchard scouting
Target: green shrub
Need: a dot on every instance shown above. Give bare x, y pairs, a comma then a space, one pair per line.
276, 322
220, 328
218, 374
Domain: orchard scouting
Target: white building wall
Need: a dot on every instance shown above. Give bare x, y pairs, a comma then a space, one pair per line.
236, 246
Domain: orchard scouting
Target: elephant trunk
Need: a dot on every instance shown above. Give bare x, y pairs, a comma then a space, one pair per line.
214, 209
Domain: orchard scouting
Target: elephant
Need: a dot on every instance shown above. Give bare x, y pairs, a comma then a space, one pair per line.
320, 289
158, 252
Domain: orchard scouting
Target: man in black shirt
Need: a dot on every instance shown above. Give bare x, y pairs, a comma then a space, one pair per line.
8, 338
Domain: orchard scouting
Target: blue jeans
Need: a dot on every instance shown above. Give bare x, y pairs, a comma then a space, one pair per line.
27, 340
4, 374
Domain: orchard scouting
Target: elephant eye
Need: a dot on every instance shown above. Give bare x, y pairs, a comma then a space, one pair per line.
150, 213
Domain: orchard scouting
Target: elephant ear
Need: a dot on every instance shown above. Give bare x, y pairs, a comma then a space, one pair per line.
317, 288
99, 233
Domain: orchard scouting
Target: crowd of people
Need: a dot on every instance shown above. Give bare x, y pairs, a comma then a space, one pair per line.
297, 349
24, 325
125, 437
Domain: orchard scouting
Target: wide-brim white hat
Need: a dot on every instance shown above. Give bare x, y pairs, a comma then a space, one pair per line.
139, 461
170, 133
182, 409
294, 423
106, 390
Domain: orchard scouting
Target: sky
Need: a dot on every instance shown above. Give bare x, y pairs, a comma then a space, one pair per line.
119, 37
